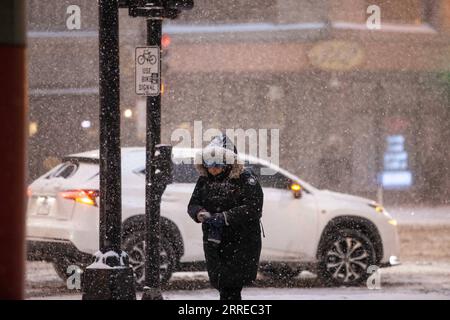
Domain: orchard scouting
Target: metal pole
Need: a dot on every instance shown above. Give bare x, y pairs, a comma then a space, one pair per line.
152, 289
116, 282
379, 158
12, 147
109, 82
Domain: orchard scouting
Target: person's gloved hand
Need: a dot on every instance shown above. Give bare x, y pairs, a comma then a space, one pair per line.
216, 223
203, 215
216, 219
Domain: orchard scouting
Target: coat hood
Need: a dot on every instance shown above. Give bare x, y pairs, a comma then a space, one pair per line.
220, 150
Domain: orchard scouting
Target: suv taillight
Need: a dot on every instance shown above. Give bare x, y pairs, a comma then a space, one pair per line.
88, 197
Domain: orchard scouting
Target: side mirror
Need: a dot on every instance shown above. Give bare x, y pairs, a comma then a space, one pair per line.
296, 190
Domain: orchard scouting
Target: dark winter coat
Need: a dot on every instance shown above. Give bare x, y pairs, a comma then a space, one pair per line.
233, 262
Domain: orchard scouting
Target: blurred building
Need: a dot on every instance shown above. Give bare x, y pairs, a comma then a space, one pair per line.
354, 106
63, 79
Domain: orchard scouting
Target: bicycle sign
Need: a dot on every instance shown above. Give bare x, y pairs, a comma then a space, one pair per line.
147, 56
147, 68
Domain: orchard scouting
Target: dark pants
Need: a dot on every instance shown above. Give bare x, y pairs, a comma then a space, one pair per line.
230, 293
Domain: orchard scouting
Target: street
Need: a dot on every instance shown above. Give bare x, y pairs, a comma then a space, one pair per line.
424, 272
411, 280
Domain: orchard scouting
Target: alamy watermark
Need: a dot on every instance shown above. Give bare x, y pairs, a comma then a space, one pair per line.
73, 281
374, 280
253, 142
373, 22
73, 21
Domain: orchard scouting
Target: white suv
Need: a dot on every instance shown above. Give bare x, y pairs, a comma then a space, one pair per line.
337, 235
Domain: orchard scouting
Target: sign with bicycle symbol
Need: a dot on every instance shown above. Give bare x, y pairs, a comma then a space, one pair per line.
148, 74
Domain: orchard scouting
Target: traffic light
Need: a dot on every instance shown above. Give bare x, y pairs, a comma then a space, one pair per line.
169, 4
165, 42
163, 8
133, 3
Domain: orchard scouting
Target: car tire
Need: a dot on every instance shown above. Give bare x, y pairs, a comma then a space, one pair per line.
134, 244
344, 259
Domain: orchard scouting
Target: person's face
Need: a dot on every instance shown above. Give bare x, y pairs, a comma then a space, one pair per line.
215, 170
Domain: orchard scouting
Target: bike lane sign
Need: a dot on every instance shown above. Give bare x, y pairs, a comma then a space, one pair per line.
147, 70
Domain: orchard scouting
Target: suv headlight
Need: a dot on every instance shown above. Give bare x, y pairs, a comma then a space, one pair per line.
392, 222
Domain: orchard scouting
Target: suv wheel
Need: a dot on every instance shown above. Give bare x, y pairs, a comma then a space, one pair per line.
345, 258
134, 245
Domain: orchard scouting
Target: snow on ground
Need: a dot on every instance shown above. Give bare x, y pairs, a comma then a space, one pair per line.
412, 280
424, 274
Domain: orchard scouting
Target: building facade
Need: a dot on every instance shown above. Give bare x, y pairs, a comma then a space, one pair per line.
63, 78
356, 108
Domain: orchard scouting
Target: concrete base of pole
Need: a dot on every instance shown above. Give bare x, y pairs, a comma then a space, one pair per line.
108, 284
152, 294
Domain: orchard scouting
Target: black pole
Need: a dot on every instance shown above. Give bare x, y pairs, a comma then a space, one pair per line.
116, 282
152, 289
109, 82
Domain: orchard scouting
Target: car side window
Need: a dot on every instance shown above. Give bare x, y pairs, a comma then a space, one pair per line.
182, 173
277, 180
65, 171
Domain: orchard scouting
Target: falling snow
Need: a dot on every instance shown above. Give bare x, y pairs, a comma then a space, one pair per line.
359, 110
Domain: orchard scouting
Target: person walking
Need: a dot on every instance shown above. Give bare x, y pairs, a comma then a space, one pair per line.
228, 201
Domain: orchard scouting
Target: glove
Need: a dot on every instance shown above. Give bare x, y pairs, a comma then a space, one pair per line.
216, 219
203, 215
215, 223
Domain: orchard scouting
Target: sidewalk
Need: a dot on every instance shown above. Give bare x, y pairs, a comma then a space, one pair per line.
424, 252
408, 281
424, 232
417, 215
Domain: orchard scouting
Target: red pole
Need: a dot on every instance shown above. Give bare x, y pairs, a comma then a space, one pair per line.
12, 148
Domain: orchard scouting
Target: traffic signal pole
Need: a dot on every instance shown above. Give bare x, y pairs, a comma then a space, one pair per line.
13, 111
110, 277
110, 161
152, 290
158, 157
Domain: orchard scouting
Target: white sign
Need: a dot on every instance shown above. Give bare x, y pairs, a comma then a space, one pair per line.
148, 75
396, 174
